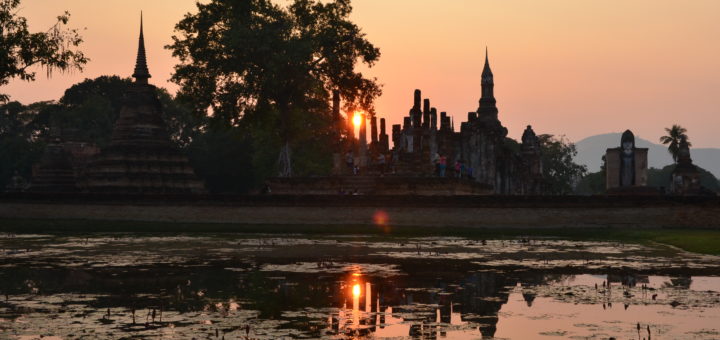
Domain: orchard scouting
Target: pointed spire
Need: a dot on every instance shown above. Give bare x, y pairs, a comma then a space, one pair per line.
141, 73
487, 73
487, 106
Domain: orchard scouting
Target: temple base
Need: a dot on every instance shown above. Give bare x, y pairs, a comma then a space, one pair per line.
377, 185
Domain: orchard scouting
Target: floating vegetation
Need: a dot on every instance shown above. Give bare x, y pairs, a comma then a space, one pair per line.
114, 286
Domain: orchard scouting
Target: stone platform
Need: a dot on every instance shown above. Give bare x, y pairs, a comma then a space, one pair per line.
377, 185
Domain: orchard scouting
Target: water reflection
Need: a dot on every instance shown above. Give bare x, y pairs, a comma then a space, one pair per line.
268, 288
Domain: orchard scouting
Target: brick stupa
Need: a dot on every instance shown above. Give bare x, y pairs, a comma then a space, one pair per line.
141, 158
54, 172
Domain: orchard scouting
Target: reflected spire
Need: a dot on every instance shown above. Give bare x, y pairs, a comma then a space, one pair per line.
141, 73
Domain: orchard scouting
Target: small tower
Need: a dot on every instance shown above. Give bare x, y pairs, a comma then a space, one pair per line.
685, 176
487, 108
531, 183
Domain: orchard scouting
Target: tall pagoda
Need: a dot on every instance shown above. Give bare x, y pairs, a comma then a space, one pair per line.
140, 157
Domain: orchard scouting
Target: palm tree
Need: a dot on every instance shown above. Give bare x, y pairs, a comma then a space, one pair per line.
673, 137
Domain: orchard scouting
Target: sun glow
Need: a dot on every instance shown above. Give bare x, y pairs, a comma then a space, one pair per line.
356, 290
357, 119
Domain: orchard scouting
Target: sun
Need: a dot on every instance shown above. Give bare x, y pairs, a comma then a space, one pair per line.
356, 290
357, 119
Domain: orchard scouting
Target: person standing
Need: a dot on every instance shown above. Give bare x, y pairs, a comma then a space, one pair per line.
349, 161
443, 165
436, 162
381, 163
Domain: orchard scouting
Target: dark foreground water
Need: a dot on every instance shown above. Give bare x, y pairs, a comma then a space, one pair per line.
139, 286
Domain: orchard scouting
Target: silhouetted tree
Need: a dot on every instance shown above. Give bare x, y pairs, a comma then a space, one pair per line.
20, 49
672, 139
245, 59
88, 110
220, 156
593, 183
662, 178
559, 168
19, 148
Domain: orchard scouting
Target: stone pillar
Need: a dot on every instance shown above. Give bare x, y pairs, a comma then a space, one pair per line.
426, 114
415, 112
362, 145
373, 131
337, 119
433, 119
432, 135
383, 140
396, 136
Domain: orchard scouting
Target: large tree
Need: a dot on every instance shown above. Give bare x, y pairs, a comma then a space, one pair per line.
672, 139
20, 50
243, 60
560, 171
19, 148
88, 110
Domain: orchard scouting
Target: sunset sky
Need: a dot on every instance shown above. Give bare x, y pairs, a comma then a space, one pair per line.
569, 67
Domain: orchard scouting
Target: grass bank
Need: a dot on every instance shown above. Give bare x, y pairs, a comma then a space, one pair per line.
703, 241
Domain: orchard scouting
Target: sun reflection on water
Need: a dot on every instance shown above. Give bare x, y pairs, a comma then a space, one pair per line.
356, 290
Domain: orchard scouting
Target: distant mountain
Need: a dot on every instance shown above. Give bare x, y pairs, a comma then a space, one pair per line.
591, 149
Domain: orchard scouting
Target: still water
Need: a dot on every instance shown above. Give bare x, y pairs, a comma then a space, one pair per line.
226, 286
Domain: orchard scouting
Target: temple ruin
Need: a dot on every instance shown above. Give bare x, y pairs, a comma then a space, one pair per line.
479, 152
626, 167
429, 157
141, 157
54, 172
685, 176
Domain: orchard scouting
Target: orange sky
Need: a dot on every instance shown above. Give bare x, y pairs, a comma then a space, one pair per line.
567, 67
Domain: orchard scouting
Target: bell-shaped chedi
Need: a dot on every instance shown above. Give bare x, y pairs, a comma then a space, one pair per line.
685, 176
140, 157
54, 172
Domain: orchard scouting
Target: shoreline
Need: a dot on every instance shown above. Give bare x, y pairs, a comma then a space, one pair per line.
703, 241
690, 223
425, 211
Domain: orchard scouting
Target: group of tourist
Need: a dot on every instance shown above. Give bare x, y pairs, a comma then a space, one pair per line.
379, 163
460, 170
350, 163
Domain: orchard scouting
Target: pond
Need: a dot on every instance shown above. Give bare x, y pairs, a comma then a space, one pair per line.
241, 286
